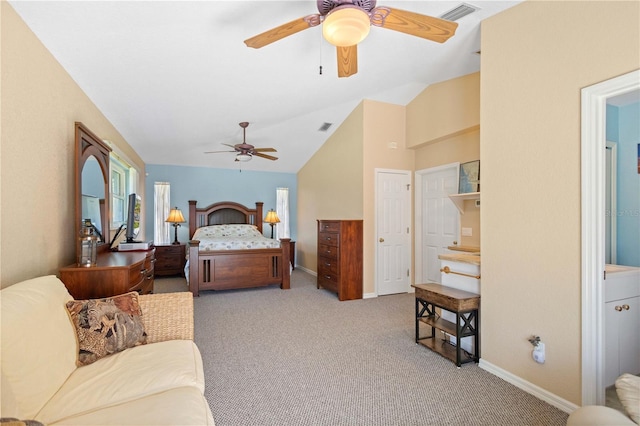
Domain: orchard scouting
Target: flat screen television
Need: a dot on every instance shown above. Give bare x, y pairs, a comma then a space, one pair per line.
133, 218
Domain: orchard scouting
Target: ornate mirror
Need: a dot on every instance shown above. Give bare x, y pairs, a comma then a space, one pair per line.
92, 182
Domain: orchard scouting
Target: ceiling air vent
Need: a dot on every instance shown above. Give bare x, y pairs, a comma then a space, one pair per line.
325, 127
458, 12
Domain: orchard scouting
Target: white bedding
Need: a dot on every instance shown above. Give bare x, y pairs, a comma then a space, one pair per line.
233, 237
230, 237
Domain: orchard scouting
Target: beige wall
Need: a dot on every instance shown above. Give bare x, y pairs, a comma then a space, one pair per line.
40, 104
536, 57
383, 124
444, 110
339, 180
330, 185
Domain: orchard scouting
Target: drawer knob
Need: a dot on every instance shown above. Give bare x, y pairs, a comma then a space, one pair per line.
625, 307
618, 308
381, 240
328, 277
327, 264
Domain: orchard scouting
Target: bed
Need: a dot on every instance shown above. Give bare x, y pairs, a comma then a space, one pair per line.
216, 263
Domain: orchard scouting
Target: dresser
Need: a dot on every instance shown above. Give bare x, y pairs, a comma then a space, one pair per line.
170, 259
115, 273
340, 257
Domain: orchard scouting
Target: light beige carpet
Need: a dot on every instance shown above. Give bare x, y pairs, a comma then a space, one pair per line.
301, 357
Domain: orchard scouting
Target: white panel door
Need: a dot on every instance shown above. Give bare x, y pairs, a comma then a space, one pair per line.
440, 219
393, 237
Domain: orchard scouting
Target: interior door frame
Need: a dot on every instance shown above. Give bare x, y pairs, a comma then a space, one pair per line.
407, 173
418, 220
593, 144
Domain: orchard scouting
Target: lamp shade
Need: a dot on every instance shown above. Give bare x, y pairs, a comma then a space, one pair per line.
175, 216
346, 25
272, 217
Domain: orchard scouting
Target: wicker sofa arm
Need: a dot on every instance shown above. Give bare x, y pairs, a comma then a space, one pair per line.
167, 316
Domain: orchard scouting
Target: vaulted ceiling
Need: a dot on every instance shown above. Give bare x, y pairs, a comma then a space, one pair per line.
175, 78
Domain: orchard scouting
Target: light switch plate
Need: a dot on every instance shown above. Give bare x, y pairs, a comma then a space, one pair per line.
467, 232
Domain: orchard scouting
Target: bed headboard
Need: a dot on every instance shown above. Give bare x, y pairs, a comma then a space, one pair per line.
224, 212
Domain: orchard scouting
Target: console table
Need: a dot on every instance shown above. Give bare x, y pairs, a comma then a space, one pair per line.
466, 307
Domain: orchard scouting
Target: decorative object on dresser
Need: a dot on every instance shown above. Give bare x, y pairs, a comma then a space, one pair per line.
214, 267
272, 218
170, 259
87, 245
175, 218
115, 273
340, 257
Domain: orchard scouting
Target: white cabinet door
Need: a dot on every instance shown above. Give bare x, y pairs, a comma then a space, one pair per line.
630, 336
622, 340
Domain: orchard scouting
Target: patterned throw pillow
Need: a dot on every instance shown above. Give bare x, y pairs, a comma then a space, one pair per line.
106, 326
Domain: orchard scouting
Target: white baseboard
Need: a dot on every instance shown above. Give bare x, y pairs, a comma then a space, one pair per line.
369, 295
538, 392
309, 271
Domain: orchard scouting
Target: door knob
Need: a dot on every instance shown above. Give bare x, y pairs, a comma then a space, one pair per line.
381, 240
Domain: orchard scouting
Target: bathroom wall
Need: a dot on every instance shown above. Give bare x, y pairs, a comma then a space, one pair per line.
623, 127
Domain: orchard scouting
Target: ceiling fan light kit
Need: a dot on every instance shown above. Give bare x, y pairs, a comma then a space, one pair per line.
243, 157
345, 23
346, 26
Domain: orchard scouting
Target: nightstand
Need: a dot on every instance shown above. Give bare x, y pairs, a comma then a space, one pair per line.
170, 259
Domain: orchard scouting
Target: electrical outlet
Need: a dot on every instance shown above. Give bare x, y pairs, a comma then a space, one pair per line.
538, 353
467, 232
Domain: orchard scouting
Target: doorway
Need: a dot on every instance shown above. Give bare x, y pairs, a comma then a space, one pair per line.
436, 217
593, 131
393, 233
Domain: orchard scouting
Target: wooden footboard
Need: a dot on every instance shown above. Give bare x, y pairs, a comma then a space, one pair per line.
233, 269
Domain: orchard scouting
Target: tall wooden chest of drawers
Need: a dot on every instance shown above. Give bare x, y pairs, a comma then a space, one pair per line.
340, 257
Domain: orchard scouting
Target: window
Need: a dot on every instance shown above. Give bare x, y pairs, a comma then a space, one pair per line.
161, 209
123, 183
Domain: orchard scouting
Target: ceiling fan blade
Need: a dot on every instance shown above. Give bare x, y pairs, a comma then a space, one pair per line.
268, 157
277, 33
232, 146
347, 60
264, 150
216, 152
434, 29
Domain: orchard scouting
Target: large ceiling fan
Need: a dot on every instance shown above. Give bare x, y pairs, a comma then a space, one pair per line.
245, 151
347, 22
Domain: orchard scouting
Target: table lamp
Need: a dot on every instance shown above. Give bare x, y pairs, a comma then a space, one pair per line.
272, 218
175, 218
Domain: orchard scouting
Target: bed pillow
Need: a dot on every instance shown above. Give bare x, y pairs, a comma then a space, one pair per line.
234, 230
628, 390
106, 326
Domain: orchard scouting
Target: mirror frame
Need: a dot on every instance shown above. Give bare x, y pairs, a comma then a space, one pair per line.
89, 145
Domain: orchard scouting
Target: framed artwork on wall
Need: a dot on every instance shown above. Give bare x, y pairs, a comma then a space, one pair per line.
469, 180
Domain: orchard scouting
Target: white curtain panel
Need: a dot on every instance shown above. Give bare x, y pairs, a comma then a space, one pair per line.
161, 209
282, 209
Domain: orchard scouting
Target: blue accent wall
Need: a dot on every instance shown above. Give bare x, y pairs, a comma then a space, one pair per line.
612, 123
628, 185
208, 185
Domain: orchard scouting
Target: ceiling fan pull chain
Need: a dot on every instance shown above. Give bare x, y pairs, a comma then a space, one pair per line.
320, 46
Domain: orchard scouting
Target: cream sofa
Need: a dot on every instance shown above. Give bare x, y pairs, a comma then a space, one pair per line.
158, 383
628, 390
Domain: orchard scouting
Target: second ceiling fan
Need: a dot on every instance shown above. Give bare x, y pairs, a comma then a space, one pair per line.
345, 23
245, 151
